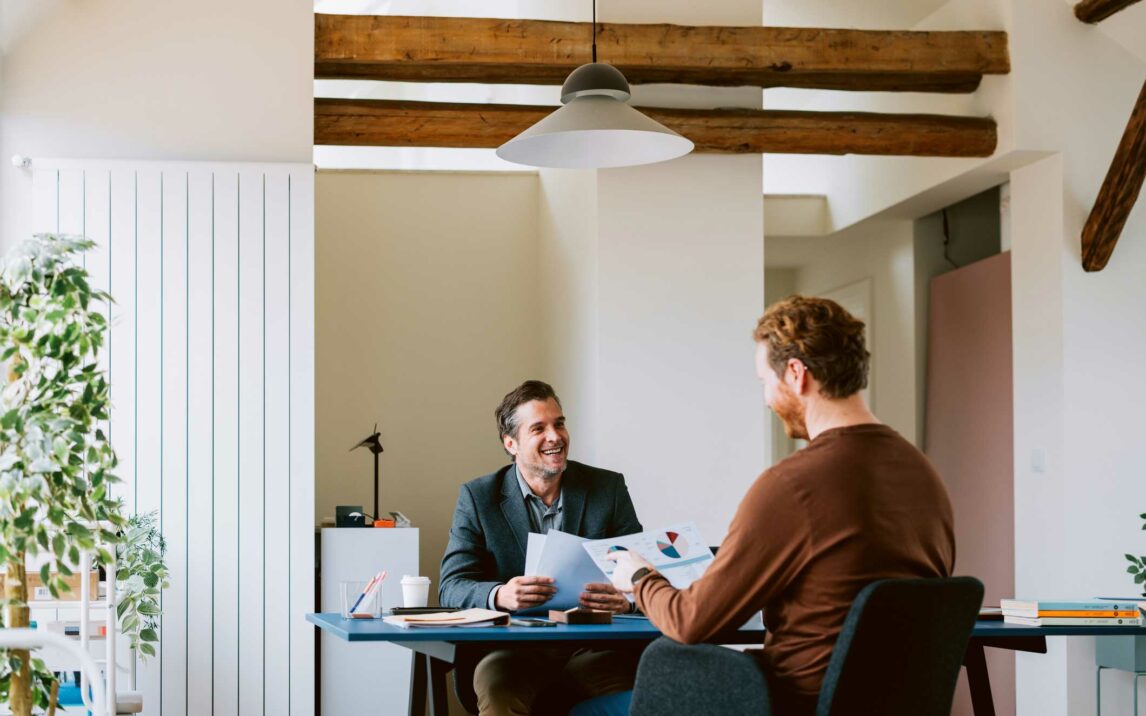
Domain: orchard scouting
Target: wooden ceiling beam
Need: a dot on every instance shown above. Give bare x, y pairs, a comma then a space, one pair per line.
1093, 11
1119, 191
497, 51
727, 131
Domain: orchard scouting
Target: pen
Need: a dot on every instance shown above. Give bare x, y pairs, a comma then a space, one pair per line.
377, 585
364, 591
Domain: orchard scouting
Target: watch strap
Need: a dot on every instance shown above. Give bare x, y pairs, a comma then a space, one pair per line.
640, 574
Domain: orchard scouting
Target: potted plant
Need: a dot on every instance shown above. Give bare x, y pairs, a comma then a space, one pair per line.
141, 576
55, 460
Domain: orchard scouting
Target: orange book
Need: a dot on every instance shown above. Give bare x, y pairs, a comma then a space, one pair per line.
1087, 613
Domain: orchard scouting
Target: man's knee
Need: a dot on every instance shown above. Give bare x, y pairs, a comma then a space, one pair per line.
504, 684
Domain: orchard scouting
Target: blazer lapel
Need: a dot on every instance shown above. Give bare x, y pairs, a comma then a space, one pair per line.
513, 508
573, 495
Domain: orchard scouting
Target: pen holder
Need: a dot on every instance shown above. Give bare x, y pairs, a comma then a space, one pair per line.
357, 606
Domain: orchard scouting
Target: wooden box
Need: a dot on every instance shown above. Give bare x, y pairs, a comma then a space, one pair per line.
581, 616
38, 592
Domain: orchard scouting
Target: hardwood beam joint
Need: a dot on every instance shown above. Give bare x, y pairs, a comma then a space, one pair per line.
1119, 191
1093, 11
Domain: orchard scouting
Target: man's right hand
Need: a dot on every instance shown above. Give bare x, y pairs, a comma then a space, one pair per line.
524, 593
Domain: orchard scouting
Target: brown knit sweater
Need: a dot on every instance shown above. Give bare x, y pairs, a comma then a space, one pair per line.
858, 504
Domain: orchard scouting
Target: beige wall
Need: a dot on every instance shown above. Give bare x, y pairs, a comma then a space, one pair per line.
426, 313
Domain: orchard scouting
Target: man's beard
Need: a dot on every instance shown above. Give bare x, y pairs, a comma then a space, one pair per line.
540, 469
791, 412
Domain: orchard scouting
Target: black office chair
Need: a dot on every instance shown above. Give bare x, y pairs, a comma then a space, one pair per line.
898, 654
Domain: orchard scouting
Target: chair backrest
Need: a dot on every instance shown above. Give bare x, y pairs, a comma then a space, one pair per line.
901, 648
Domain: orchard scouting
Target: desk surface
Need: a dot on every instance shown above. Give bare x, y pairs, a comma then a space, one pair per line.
620, 629
632, 629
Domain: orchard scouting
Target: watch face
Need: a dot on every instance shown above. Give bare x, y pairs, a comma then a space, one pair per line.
640, 574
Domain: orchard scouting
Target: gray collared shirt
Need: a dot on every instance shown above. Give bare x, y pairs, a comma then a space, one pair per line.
542, 518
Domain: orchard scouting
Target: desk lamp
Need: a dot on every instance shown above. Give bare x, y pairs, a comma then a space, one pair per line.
375, 444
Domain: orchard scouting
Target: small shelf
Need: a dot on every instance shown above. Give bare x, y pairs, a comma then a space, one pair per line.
64, 604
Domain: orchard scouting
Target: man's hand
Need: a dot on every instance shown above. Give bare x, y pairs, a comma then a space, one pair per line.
524, 593
628, 562
603, 596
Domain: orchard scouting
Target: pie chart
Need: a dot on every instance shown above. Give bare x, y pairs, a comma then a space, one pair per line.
618, 548
673, 545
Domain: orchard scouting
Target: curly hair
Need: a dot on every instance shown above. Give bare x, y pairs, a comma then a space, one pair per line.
823, 336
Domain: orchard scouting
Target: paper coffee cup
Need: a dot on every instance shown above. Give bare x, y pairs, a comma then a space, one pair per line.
415, 591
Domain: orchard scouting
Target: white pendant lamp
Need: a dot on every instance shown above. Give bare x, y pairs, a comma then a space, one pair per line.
596, 128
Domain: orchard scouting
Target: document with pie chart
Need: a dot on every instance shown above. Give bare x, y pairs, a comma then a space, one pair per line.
678, 552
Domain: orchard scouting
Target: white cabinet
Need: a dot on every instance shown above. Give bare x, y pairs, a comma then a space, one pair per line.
365, 677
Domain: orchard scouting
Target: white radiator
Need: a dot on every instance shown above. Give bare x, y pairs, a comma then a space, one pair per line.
211, 357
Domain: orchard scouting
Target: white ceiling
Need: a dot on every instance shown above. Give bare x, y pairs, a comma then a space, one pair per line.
882, 15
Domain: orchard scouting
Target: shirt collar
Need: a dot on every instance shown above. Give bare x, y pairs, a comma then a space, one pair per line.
527, 491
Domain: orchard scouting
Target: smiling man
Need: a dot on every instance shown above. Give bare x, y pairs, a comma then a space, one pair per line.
484, 562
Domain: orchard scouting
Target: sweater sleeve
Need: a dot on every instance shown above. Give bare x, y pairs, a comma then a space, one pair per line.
767, 545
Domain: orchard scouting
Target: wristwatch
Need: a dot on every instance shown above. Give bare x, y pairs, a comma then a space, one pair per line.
640, 574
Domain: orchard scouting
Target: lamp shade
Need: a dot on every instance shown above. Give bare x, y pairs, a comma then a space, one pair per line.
595, 129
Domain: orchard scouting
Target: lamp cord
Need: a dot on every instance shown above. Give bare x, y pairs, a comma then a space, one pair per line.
594, 30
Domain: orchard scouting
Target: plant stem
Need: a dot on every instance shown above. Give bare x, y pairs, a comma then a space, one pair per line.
16, 591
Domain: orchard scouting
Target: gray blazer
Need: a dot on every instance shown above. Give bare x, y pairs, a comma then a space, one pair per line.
488, 537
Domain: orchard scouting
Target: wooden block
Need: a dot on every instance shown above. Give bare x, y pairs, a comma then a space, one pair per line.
35, 583
581, 616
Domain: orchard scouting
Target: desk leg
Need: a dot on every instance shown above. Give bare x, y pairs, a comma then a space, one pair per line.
418, 684
978, 680
439, 701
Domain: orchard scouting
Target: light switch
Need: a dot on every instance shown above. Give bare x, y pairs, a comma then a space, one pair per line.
1038, 460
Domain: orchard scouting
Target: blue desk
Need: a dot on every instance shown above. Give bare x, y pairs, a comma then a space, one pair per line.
434, 649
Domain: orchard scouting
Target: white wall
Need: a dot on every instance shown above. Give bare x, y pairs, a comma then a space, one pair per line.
568, 255
428, 310
212, 80
681, 286
1078, 342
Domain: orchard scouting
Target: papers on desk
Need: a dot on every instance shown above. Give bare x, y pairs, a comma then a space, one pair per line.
559, 555
678, 552
463, 618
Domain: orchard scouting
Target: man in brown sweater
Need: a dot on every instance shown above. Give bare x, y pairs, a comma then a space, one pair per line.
858, 504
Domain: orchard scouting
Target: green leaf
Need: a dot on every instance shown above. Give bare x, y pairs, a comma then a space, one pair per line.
8, 421
148, 635
1140, 578
1132, 570
147, 649
149, 609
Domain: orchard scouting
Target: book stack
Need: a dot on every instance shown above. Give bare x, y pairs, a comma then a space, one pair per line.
1087, 612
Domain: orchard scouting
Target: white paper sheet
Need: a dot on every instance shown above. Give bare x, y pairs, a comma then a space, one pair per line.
559, 555
677, 551
534, 545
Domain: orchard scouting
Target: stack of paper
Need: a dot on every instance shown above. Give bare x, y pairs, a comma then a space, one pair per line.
464, 618
559, 555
